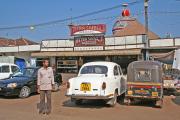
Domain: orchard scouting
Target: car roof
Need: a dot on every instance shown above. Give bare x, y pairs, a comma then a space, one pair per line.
7, 64
104, 63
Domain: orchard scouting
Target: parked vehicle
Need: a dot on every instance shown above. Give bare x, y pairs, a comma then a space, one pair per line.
97, 80
8, 69
20, 62
169, 85
177, 82
144, 80
25, 84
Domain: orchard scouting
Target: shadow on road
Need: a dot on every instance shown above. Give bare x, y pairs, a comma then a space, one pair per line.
9, 97
144, 103
98, 104
16, 97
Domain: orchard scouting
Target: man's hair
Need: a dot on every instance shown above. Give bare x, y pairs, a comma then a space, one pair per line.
45, 59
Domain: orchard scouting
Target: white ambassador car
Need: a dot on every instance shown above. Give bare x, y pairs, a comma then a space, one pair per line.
97, 80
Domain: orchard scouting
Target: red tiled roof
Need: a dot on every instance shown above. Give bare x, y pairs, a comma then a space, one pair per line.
16, 42
133, 27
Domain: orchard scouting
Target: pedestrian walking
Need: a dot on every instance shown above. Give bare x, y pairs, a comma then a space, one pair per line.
45, 85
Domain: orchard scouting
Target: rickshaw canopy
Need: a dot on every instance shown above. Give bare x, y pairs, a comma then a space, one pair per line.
145, 71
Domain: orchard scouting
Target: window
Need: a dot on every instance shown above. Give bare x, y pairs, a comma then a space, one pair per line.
4, 69
94, 69
116, 72
28, 72
15, 69
120, 70
143, 75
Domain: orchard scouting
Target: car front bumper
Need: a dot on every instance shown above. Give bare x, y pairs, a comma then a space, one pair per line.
9, 91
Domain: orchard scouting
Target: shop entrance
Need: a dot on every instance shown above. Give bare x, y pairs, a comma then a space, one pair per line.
94, 58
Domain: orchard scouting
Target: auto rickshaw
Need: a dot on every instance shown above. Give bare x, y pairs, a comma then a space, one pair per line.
144, 82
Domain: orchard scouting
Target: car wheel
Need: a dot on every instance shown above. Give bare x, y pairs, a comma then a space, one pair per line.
113, 100
25, 92
56, 87
78, 102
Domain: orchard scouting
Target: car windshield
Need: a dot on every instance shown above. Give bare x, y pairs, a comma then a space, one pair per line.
94, 69
28, 72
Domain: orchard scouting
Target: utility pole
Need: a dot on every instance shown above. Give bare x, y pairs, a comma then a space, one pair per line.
146, 29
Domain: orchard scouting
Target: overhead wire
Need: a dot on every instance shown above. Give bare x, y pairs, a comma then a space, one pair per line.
70, 18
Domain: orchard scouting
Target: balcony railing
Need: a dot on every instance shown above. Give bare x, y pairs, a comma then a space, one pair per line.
111, 43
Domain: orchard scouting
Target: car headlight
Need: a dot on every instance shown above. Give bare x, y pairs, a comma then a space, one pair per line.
12, 85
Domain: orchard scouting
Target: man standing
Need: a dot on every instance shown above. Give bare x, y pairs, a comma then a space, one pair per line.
45, 84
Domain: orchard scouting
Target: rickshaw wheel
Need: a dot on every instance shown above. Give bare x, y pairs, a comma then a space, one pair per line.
159, 103
127, 101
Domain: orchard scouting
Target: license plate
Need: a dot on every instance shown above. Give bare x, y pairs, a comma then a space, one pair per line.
85, 87
154, 94
141, 91
130, 92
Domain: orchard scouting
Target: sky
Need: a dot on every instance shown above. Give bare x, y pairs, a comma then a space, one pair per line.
164, 16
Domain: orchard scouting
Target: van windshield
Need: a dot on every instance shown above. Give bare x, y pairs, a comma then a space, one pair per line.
94, 69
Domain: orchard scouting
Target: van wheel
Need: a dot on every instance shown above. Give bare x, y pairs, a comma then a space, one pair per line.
25, 92
78, 102
113, 101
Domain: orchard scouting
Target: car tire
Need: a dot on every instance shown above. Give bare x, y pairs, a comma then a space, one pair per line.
56, 87
121, 98
113, 100
25, 92
78, 102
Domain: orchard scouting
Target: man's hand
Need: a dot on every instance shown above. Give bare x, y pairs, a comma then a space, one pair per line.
53, 87
38, 89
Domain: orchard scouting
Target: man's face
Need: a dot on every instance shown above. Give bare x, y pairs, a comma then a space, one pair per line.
46, 63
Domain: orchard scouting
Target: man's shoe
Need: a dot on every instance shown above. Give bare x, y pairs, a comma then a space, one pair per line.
48, 113
42, 112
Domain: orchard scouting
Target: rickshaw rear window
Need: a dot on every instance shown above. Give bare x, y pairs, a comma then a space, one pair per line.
143, 75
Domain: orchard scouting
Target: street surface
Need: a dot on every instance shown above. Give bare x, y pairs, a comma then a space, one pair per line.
63, 109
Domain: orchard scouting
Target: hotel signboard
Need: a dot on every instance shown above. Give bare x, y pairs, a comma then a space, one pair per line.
87, 29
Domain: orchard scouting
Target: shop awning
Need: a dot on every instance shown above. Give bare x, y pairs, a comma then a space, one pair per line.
87, 53
164, 57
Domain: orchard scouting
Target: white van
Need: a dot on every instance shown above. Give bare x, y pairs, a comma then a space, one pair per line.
8, 69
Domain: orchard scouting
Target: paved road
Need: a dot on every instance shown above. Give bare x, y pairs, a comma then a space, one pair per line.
63, 109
